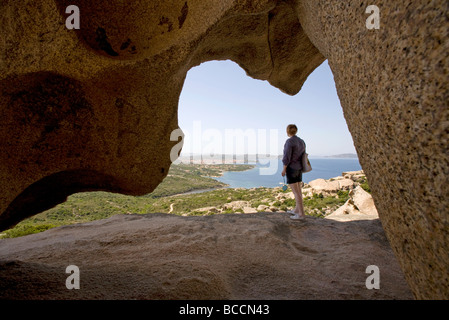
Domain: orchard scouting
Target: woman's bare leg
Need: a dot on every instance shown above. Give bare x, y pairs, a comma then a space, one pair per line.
297, 192
299, 200
294, 190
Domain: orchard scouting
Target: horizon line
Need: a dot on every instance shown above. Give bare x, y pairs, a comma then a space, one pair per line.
353, 155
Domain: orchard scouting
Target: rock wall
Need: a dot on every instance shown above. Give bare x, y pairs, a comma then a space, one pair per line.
93, 109
393, 87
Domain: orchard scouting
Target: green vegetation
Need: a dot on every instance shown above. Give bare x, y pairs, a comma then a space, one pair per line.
85, 207
183, 178
364, 185
27, 228
171, 197
317, 205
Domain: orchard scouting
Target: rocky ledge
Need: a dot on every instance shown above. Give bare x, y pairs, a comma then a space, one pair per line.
360, 204
228, 256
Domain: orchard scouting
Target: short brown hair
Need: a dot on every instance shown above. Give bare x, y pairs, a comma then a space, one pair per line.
292, 129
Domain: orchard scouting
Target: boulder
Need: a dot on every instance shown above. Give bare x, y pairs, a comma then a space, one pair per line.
347, 212
328, 187
249, 210
324, 186
307, 192
350, 174
289, 195
236, 205
209, 210
363, 201
359, 206
345, 184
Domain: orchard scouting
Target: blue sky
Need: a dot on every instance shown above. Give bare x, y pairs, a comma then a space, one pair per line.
219, 101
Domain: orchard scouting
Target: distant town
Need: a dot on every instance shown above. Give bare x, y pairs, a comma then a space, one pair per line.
247, 158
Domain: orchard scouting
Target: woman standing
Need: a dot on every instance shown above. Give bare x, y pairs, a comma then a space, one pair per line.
293, 150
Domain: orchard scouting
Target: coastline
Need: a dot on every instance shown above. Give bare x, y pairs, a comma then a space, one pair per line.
196, 191
220, 172
323, 168
194, 198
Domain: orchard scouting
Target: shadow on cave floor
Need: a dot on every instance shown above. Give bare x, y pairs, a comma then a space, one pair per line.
228, 256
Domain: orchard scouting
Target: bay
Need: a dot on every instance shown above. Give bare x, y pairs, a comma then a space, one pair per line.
325, 168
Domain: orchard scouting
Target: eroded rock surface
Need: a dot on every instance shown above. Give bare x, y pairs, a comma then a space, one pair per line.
248, 256
94, 109
359, 206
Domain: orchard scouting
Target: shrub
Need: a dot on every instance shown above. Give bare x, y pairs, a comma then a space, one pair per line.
23, 230
343, 194
366, 187
290, 202
196, 213
277, 204
256, 203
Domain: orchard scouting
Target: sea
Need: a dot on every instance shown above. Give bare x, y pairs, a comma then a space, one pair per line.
325, 168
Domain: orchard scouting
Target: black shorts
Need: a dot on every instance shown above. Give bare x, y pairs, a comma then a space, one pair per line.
293, 175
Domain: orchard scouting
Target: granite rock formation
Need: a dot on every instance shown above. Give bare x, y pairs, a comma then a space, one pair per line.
94, 108
247, 256
360, 205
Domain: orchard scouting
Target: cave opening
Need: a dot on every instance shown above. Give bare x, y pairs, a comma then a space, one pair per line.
219, 101
227, 118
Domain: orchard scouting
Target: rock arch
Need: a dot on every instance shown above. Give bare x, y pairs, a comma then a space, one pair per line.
103, 99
